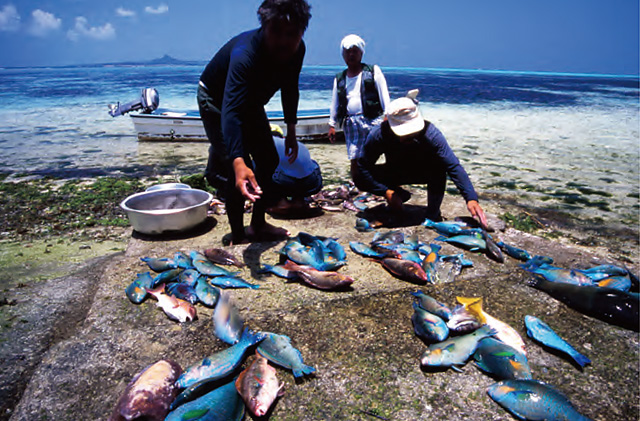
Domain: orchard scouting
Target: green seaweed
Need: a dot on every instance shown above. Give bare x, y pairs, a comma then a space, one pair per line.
521, 222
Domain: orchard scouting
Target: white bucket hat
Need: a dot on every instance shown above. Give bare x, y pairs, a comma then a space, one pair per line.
352, 40
404, 116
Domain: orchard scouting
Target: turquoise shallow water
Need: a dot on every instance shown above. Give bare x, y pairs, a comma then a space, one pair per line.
566, 142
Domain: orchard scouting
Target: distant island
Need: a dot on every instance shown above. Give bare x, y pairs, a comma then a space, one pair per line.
165, 60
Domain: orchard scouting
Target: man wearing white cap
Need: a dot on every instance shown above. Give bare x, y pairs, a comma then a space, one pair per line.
359, 98
416, 152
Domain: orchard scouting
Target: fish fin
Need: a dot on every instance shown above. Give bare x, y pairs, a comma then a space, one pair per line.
307, 369
441, 238
281, 389
435, 248
157, 290
482, 366
456, 368
265, 269
417, 294
194, 414
581, 359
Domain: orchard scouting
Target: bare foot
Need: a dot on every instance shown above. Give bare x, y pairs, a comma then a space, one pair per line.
267, 231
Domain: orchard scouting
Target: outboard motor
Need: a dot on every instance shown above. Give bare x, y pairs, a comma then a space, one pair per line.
148, 103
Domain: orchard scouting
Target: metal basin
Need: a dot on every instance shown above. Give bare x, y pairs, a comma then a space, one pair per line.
158, 211
168, 186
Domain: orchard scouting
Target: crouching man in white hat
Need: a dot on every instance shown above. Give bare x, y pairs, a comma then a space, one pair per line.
416, 152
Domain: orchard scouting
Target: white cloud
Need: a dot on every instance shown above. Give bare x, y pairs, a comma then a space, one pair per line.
43, 23
9, 18
163, 8
125, 13
82, 29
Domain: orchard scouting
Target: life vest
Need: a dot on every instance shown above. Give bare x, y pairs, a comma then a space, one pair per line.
371, 104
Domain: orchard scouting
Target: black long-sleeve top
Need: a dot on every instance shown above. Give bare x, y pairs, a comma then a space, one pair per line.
241, 76
427, 151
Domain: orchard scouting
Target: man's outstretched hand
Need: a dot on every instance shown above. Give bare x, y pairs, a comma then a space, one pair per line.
476, 211
246, 181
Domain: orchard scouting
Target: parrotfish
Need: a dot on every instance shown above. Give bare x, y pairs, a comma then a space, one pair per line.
362, 225
469, 242
149, 393
492, 251
205, 267
366, 251
174, 308
454, 352
612, 306
533, 400
621, 283
505, 362
167, 276
259, 386
221, 404
231, 282
183, 292
279, 270
137, 290
444, 228
597, 273
559, 275
325, 280
541, 332
505, 333
207, 294
428, 326
405, 269
159, 264
228, 325
464, 319
432, 305
459, 258
430, 264
220, 364
278, 349
182, 260
410, 255
222, 257
189, 277
392, 237
312, 256
514, 252
335, 249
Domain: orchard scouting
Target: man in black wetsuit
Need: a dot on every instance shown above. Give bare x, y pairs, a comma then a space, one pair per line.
233, 90
416, 152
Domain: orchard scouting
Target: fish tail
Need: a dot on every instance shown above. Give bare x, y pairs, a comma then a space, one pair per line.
305, 370
417, 294
435, 248
265, 269
536, 282
428, 222
250, 336
581, 359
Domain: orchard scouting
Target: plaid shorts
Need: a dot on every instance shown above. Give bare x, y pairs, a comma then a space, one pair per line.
356, 129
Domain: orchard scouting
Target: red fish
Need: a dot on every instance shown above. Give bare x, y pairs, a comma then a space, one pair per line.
320, 279
173, 307
405, 269
259, 386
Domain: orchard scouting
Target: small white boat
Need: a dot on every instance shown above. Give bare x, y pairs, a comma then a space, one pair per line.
153, 124
167, 125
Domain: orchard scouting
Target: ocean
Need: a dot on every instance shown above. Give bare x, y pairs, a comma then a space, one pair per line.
566, 142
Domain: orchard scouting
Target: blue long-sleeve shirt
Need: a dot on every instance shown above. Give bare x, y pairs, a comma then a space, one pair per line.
427, 151
241, 76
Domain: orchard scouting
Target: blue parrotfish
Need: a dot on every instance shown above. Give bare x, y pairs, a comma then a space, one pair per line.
454, 352
221, 404
389, 237
137, 290
559, 275
597, 273
444, 228
182, 260
167, 276
189, 277
228, 325
503, 361
428, 326
206, 267
366, 251
431, 305
514, 252
469, 242
220, 364
278, 270
207, 294
533, 400
541, 332
183, 292
278, 349
231, 282
159, 264
362, 225
621, 283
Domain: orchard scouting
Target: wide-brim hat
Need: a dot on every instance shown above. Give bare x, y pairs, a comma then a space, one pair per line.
404, 116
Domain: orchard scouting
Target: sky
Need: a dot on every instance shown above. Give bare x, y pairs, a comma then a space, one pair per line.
574, 36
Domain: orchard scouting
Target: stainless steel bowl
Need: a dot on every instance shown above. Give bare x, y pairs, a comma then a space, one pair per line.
166, 186
158, 211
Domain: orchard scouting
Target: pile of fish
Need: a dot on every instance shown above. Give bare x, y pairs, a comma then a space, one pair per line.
209, 389
497, 349
462, 235
186, 279
407, 258
314, 260
344, 196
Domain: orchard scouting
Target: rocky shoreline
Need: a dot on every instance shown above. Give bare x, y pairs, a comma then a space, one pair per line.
70, 340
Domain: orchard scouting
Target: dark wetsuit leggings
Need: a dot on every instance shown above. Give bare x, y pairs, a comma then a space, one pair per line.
260, 155
435, 179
